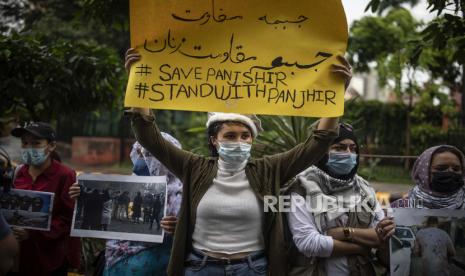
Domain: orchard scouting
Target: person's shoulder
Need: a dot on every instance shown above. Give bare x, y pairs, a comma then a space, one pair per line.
311, 176
306, 182
62, 169
441, 232
200, 160
422, 230
431, 232
21, 169
420, 234
361, 179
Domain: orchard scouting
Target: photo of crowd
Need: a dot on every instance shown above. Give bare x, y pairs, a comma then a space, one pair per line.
428, 242
27, 209
120, 207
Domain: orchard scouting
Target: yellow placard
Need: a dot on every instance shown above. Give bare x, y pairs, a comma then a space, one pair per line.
244, 56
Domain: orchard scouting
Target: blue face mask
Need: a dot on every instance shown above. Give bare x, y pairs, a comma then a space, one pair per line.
341, 163
140, 168
33, 156
234, 152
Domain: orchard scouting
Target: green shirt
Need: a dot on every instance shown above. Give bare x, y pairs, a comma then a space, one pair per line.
266, 176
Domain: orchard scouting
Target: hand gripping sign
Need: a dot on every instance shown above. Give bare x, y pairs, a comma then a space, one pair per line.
247, 56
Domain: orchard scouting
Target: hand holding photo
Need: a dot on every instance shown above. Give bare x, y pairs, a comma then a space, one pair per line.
120, 207
428, 242
27, 209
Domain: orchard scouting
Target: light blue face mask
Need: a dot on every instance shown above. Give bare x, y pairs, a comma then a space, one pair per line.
140, 168
33, 156
341, 163
234, 152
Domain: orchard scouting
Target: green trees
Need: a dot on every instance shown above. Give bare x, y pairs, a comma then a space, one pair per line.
415, 60
440, 46
54, 64
421, 63
43, 81
282, 133
382, 5
384, 41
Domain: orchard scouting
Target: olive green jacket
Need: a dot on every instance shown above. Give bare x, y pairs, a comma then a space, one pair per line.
266, 176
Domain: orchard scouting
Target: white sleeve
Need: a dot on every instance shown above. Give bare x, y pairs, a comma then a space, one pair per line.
304, 232
378, 215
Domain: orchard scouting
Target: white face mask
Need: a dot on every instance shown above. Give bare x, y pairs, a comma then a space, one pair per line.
34, 156
234, 152
342, 163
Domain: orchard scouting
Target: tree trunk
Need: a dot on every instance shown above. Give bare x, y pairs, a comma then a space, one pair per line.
408, 136
463, 97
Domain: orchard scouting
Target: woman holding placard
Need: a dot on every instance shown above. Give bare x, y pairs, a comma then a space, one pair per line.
222, 227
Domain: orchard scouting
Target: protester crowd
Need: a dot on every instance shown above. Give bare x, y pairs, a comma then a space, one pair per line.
215, 222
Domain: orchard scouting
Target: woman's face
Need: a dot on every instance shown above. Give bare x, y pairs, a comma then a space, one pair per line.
344, 146
31, 141
233, 132
446, 162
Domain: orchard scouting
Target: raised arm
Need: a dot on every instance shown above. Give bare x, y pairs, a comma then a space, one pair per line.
149, 136
302, 156
131, 57
328, 123
342, 70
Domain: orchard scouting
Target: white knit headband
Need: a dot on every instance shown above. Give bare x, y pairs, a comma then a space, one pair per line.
235, 117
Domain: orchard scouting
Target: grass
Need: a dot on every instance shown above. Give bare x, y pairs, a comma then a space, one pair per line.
385, 174
118, 168
122, 168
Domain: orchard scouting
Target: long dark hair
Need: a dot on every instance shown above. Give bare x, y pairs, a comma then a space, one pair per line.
54, 154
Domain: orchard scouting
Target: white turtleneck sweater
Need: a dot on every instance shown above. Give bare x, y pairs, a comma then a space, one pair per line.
229, 216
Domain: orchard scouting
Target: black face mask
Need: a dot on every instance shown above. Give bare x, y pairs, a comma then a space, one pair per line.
446, 182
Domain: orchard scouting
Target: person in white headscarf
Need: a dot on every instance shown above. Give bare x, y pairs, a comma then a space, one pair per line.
140, 258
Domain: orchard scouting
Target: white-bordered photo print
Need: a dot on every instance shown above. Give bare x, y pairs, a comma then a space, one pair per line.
27, 209
428, 242
123, 207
